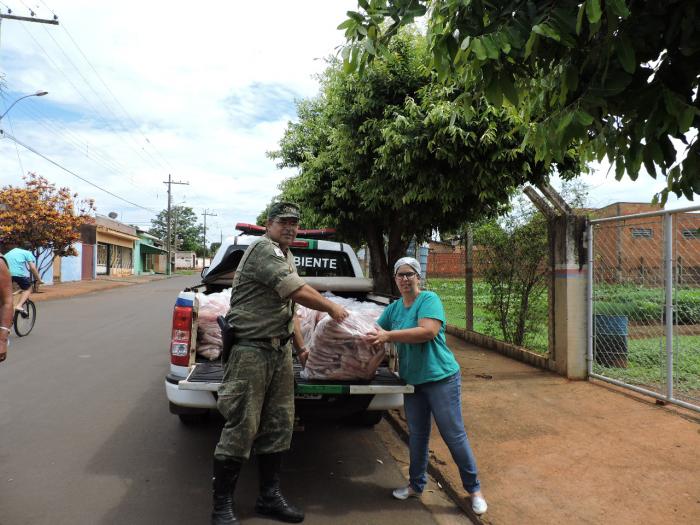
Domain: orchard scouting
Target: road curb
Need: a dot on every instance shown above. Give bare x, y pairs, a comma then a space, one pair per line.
398, 423
68, 290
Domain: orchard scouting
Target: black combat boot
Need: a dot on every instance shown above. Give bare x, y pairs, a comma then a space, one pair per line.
226, 474
271, 502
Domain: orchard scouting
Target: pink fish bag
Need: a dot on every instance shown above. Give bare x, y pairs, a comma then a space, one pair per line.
339, 350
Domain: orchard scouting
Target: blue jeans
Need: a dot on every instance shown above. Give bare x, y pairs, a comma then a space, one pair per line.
443, 400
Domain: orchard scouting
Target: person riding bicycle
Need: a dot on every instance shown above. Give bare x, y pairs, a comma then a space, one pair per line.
22, 265
5, 306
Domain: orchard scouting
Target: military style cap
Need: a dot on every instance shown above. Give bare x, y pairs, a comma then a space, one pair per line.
281, 210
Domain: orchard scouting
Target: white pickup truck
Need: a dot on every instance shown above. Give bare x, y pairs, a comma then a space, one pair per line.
192, 383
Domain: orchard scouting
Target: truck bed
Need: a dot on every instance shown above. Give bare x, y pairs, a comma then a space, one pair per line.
208, 376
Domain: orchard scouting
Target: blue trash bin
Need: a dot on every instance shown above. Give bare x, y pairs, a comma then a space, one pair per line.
610, 340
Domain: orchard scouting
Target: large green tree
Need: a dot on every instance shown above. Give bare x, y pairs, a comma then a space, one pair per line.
618, 77
185, 232
390, 155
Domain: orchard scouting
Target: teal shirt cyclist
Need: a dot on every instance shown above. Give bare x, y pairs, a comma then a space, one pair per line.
423, 362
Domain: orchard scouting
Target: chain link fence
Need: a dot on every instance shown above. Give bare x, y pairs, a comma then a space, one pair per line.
644, 292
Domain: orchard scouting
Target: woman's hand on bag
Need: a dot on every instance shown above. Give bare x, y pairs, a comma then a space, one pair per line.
303, 355
377, 336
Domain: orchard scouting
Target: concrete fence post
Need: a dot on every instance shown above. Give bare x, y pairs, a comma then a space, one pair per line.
567, 291
568, 308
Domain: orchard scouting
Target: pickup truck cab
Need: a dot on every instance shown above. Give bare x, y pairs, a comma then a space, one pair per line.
192, 382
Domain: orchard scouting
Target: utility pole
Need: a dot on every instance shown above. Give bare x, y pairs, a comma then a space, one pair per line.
10, 16
170, 182
205, 234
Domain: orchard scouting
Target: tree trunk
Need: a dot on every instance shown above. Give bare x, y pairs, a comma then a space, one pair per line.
382, 260
377, 260
397, 249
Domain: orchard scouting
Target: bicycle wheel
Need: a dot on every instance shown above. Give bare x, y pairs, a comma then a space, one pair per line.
24, 320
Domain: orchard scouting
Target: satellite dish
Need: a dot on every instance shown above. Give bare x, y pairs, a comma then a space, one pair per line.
113, 215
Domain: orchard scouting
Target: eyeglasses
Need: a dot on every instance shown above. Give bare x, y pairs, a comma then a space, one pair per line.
405, 275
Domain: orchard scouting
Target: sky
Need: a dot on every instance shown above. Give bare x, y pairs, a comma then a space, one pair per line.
142, 90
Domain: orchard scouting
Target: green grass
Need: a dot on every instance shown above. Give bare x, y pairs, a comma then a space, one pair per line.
646, 357
451, 292
646, 364
646, 304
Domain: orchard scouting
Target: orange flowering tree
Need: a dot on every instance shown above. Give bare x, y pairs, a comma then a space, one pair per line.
44, 217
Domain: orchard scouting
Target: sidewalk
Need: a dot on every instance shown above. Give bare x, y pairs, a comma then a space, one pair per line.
550, 450
103, 282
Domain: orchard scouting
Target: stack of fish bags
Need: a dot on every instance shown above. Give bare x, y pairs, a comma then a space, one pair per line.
208, 332
340, 351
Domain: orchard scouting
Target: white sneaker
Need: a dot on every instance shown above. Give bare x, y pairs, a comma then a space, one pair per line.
479, 505
405, 493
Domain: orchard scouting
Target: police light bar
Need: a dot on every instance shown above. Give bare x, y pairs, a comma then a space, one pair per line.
250, 229
254, 229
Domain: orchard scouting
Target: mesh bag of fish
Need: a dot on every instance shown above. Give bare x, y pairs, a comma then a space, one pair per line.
339, 350
208, 332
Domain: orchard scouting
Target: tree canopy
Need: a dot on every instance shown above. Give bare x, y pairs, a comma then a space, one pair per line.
185, 234
389, 154
44, 217
618, 77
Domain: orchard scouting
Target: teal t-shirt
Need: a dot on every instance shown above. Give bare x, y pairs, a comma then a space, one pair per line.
18, 259
424, 362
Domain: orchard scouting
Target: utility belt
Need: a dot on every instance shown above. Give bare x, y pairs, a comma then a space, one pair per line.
228, 339
274, 341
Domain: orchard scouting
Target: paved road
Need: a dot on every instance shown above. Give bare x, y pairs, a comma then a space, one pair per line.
86, 437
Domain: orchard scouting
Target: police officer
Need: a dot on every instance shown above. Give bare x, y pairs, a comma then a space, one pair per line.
257, 394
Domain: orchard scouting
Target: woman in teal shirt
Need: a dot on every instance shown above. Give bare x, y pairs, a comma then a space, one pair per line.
416, 324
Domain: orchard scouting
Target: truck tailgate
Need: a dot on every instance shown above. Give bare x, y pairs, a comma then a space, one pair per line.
208, 376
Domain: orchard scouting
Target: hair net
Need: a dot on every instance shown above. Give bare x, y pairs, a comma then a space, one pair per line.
409, 261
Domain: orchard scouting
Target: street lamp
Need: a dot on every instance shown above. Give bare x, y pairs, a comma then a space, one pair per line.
37, 94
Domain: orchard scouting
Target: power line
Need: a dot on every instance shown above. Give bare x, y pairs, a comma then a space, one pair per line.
84, 147
72, 172
128, 115
9, 119
114, 96
99, 97
81, 94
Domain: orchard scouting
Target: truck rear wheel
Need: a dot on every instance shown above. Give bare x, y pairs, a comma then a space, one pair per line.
367, 418
192, 420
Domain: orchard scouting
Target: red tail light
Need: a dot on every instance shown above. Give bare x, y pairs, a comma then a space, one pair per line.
181, 335
300, 244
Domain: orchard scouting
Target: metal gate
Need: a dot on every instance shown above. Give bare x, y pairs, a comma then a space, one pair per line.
644, 303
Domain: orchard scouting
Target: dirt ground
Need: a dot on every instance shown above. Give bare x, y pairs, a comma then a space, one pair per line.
551, 450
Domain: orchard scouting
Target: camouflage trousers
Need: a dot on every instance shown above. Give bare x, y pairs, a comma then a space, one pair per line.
257, 400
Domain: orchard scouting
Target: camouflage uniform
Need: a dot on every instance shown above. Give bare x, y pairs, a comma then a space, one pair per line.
257, 393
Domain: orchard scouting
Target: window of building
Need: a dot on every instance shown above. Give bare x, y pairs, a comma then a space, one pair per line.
642, 233
691, 233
